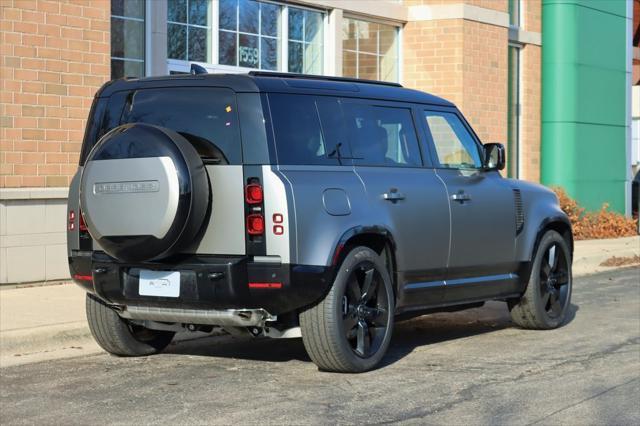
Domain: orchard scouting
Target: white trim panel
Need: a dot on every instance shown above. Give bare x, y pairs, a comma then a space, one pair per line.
458, 11
521, 36
275, 201
60, 193
225, 232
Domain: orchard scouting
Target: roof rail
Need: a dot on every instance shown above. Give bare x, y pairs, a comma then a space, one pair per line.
320, 77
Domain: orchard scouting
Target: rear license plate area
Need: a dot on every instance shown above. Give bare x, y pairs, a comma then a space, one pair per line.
159, 283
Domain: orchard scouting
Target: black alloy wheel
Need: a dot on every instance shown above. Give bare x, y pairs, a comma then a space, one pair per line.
554, 280
349, 331
546, 300
365, 310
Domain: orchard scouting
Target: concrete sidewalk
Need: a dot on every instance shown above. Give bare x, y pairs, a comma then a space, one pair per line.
36, 321
43, 322
589, 254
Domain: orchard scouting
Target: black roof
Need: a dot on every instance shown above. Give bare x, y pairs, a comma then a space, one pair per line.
280, 83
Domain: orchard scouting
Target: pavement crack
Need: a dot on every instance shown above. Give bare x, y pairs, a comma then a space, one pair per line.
582, 401
467, 393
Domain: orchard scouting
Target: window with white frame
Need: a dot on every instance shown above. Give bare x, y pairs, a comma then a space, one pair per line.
305, 41
245, 34
127, 38
249, 34
370, 50
189, 30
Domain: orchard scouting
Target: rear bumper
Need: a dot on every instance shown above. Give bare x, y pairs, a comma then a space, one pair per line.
206, 282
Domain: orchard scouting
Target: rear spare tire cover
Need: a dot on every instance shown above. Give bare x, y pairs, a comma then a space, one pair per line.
144, 192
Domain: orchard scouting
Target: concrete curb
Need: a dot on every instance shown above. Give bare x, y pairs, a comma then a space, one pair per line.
39, 338
589, 254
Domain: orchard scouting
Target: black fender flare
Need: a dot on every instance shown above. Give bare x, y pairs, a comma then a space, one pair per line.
356, 231
546, 224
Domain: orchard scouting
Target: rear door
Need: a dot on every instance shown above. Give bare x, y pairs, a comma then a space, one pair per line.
482, 212
208, 118
407, 198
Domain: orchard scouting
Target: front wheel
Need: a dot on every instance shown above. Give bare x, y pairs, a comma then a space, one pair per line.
350, 329
546, 300
120, 337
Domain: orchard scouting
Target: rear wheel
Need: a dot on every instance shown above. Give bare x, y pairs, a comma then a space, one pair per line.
545, 303
120, 337
350, 330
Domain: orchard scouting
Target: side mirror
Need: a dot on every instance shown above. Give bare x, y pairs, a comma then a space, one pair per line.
494, 158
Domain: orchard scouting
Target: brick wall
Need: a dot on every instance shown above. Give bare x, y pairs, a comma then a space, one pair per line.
531, 112
465, 62
433, 57
55, 55
484, 84
533, 15
531, 95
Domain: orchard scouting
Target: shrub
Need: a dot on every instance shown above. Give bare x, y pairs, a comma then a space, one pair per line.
594, 225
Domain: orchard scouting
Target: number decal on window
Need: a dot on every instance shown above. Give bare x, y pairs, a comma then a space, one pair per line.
248, 55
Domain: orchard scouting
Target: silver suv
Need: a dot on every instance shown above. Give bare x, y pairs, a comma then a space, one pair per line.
284, 205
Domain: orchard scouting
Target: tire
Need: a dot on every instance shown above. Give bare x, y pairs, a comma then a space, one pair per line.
119, 337
350, 329
545, 302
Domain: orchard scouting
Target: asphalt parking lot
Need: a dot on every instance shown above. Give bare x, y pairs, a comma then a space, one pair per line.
471, 367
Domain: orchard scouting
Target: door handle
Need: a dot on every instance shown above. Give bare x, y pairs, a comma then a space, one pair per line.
393, 195
461, 197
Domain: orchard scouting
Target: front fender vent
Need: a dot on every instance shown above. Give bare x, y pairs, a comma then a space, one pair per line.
517, 197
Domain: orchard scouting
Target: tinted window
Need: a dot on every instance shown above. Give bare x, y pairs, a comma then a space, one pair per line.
382, 136
455, 146
207, 117
301, 137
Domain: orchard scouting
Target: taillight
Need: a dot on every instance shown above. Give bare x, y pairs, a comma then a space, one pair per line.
80, 277
83, 226
253, 193
255, 224
71, 224
265, 285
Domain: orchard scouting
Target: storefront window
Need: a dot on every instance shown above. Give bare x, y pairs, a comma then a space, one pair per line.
127, 38
189, 30
305, 41
249, 34
370, 50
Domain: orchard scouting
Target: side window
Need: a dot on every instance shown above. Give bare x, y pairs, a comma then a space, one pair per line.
382, 136
300, 137
455, 147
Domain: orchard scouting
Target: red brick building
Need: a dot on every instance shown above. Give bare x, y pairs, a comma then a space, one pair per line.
484, 55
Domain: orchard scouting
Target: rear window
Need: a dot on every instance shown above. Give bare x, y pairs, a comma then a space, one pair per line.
207, 117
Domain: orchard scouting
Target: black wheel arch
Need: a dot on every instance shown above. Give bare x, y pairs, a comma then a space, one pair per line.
562, 226
376, 237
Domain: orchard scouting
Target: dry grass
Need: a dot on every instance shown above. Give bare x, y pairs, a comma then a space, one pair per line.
595, 225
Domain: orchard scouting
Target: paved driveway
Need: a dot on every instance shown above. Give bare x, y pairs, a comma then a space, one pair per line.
470, 367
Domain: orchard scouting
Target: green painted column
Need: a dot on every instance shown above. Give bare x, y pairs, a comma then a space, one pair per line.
584, 100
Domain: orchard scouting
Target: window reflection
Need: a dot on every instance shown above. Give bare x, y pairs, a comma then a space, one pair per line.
127, 38
189, 30
305, 41
249, 34
370, 50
